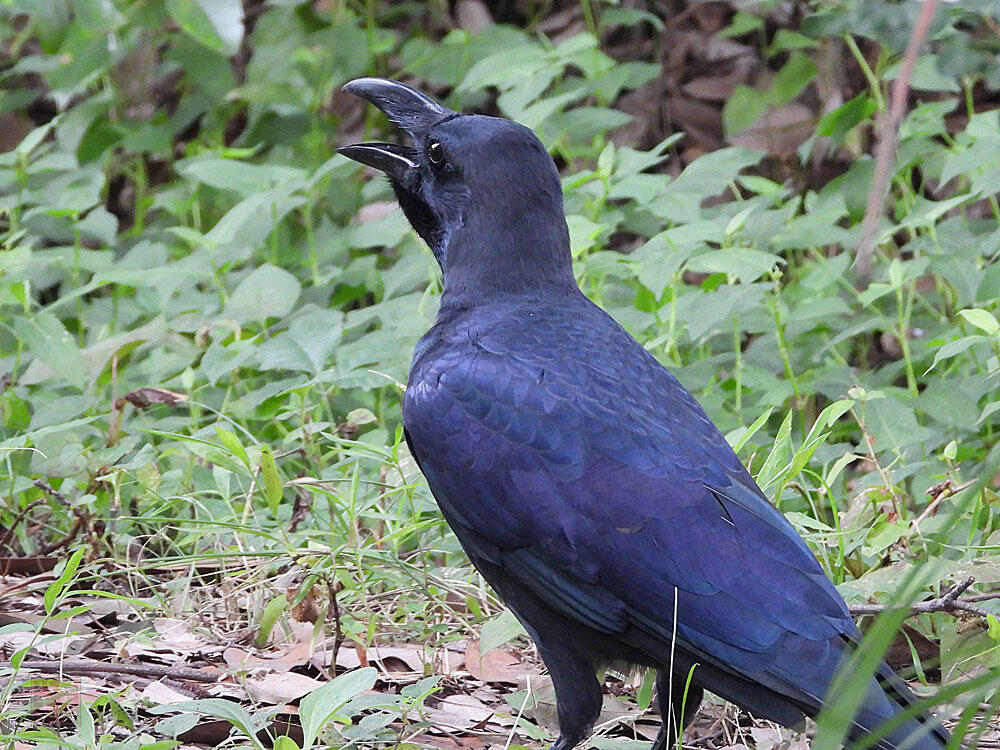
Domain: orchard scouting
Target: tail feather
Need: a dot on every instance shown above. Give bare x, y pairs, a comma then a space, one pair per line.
887, 696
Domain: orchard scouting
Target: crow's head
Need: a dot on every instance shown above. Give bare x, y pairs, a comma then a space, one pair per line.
481, 191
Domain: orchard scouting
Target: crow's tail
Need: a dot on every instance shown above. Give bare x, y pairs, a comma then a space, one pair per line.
887, 696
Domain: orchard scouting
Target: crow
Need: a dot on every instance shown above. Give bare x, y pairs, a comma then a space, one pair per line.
586, 485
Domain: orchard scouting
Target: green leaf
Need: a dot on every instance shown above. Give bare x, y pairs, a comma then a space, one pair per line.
269, 616
216, 24
744, 263
993, 627
990, 408
85, 726
272, 480
233, 445
583, 234
306, 345
794, 76
777, 460
818, 434
323, 703
926, 76
743, 108
742, 23
839, 122
55, 589
235, 175
981, 319
741, 436
268, 292
251, 220
498, 630
47, 338
956, 347
644, 695
786, 39
220, 708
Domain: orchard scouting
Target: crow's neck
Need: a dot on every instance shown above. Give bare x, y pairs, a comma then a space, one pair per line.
496, 254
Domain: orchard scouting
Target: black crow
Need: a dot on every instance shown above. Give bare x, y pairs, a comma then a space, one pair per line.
586, 485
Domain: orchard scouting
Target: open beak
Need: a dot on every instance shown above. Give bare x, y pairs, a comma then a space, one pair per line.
411, 110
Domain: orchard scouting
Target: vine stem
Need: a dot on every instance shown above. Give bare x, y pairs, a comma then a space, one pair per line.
885, 150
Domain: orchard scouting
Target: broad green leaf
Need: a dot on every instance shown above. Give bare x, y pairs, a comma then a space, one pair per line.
742, 23
583, 234
220, 708
744, 263
498, 630
981, 319
956, 347
322, 704
251, 220
235, 175
217, 24
742, 109
268, 292
46, 337
839, 122
306, 345
794, 76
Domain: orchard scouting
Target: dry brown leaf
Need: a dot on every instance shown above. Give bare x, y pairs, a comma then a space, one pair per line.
278, 688
711, 16
472, 16
780, 131
141, 398
770, 737
713, 88
49, 645
496, 665
177, 635
161, 694
374, 211
307, 610
460, 712
276, 661
387, 658
448, 742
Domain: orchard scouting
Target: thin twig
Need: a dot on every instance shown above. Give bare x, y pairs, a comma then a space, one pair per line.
51, 491
948, 602
947, 492
333, 610
885, 150
9, 534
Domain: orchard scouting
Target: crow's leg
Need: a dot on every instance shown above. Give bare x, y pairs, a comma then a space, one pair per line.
677, 707
578, 693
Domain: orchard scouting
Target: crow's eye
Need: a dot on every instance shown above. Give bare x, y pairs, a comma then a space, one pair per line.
435, 152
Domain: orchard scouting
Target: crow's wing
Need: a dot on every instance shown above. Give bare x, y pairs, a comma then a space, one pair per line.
583, 469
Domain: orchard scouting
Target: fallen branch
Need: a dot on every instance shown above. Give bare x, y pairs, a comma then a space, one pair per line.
947, 602
91, 666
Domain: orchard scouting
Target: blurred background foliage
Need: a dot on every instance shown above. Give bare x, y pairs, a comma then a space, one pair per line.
206, 316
